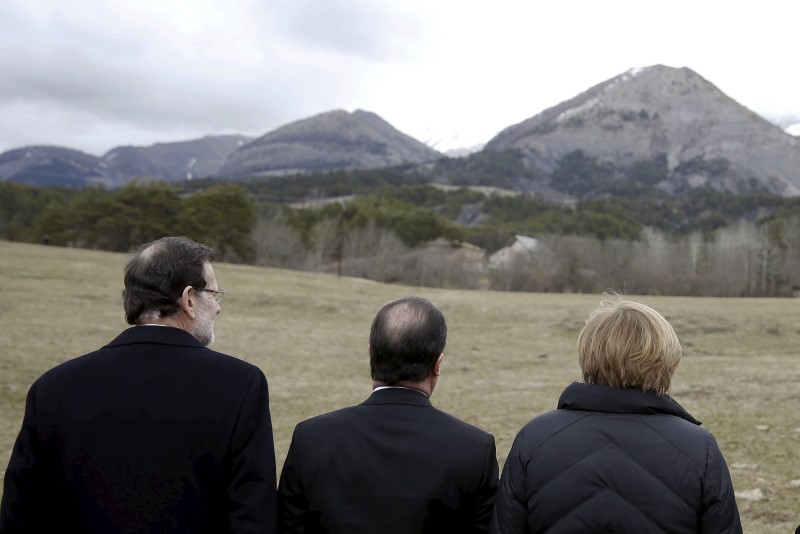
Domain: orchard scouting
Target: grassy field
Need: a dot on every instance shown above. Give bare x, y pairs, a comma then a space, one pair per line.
509, 355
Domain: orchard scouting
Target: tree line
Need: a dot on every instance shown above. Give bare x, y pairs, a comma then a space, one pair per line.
701, 243
118, 220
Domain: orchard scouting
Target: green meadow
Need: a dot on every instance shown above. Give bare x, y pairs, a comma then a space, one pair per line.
508, 357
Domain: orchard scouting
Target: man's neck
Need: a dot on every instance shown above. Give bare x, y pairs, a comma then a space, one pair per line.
423, 387
173, 320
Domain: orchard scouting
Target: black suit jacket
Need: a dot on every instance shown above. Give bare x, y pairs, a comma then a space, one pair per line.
392, 464
151, 433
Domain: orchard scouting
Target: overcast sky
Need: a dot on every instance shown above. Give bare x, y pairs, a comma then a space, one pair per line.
95, 74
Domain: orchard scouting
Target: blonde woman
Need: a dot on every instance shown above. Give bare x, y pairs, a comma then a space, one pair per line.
619, 454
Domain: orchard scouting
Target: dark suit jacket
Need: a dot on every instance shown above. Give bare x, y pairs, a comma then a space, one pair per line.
392, 464
151, 433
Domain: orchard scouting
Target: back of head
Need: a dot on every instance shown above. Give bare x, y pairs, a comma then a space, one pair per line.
157, 274
626, 344
406, 338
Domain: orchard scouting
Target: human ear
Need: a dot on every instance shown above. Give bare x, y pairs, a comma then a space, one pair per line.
187, 301
437, 366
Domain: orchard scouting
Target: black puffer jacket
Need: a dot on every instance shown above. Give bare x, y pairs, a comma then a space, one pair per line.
615, 460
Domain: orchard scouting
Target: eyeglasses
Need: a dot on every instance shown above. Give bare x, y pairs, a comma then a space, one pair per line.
218, 293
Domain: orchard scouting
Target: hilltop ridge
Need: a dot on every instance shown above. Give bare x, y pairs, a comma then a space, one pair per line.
328, 141
707, 138
680, 128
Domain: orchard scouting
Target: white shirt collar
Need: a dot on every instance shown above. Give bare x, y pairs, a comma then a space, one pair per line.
398, 387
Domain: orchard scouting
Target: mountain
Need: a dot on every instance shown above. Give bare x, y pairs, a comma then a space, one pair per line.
170, 162
652, 127
464, 151
173, 162
329, 141
52, 165
661, 113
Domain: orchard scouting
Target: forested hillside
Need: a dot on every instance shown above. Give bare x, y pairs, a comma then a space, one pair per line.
394, 226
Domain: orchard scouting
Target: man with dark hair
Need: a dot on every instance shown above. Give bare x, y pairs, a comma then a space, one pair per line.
153, 432
393, 463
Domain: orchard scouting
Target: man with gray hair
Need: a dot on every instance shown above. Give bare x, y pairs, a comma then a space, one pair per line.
393, 464
153, 432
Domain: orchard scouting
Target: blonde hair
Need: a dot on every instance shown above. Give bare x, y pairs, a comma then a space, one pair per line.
626, 344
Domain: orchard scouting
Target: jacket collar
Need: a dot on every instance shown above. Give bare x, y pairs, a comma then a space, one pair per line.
398, 396
162, 335
597, 398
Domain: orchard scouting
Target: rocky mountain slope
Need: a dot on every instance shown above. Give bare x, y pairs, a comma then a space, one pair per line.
172, 162
52, 165
708, 139
653, 127
329, 141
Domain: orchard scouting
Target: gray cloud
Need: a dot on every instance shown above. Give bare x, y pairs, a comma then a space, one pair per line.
89, 76
373, 30
100, 73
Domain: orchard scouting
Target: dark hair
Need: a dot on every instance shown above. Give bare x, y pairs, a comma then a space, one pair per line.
158, 272
406, 337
